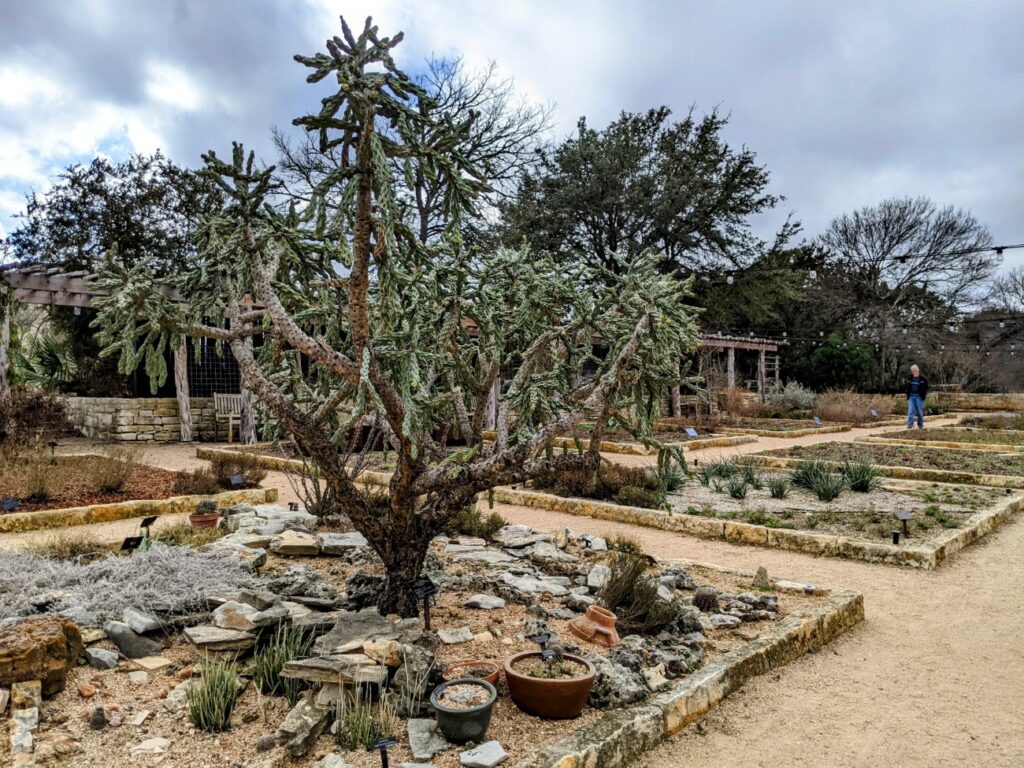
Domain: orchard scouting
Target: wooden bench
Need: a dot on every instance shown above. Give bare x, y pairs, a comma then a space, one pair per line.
226, 408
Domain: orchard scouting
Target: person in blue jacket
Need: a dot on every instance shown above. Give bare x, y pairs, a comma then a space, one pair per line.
917, 391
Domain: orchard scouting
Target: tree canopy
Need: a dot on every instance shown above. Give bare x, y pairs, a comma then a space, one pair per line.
405, 336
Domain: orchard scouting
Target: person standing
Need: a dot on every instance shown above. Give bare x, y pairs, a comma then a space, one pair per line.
917, 391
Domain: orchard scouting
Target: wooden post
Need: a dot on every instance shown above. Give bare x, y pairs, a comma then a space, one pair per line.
761, 370
247, 421
491, 420
6, 299
181, 390
730, 368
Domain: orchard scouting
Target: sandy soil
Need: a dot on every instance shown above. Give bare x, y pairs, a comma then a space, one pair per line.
933, 677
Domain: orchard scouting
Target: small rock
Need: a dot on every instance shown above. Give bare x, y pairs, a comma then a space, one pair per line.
259, 599
93, 635
152, 663
333, 761
598, 543
484, 602
177, 700
336, 544
139, 717
26, 718
489, 556
86, 691
5, 696
27, 694
562, 537
387, 652
212, 638
455, 636
721, 621
425, 740
140, 621
301, 727
483, 637
154, 746
130, 643
234, 615
138, 676
546, 550
100, 658
487, 755
21, 741
761, 580
562, 613
655, 678
98, 719
265, 743
598, 576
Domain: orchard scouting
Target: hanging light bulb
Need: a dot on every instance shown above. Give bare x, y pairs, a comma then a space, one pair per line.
821, 333
783, 334
729, 280
813, 274
904, 331
1002, 324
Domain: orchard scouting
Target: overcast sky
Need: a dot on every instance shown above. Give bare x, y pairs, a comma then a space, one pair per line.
847, 103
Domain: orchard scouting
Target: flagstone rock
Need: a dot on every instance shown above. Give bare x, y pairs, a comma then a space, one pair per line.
333, 761
101, 658
154, 746
27, 694
484, 602
260, 599
211, 638
387, 652
5, 696
234, 615
348, 668
531, 585
487, 755
425, 740
130, 643
353, 628
455, 636
488, 556
40, 648
721, 621
598, 577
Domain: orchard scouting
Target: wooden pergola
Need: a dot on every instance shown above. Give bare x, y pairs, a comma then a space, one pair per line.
720, 342
53, 287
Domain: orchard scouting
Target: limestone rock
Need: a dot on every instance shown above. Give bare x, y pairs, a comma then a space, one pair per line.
425, 739
333, 761
353, 629
155, 746
532, 585
5, 696
259, 599
234, 615
484, 602
349, 668
27, 694
546, 550
455, 636
130, 643
301, 727
387, 652
337, 544
721, 621
487, 755
614, 685
655, 678
152, 663
295, 544
489, 556
211, 638
42, 648
598, 577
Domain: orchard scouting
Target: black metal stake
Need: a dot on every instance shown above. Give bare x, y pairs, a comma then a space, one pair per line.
426, 614
906, 531
384, 757
895, 537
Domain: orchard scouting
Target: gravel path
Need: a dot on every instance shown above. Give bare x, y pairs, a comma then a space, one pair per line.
934, 676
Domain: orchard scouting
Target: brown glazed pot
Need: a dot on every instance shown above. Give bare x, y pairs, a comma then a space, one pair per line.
597, 625
460, 669
556, 699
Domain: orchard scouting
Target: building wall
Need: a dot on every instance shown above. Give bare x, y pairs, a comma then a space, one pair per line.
148, 419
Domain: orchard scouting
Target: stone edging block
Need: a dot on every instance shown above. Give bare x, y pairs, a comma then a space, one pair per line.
907, 473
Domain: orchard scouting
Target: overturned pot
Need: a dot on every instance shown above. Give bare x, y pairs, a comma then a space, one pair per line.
554, 697
597, 626
460, 721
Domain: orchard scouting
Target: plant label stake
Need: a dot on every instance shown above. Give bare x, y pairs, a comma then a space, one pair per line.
293, 506
691, 432
424, 589
548, 655
237, 481
874, 413
131, 543
383, 745
9, 504
903, 516
145, 525
817, 421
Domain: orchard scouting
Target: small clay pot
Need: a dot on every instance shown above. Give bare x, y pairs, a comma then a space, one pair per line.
204, 521
460, 670
596, 625
462, 725
556, 699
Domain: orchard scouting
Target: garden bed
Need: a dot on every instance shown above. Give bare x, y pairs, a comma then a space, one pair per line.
1012, 422
953, 463
1003, 441
801, 618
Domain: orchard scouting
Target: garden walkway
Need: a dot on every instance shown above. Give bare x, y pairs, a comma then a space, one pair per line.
934, 676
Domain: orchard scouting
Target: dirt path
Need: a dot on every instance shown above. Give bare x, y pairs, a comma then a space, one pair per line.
933, 677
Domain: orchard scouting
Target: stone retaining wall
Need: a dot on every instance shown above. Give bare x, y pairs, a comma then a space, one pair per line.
149, 419
952, 445
785, 432
17, 522
620, 736
973, 401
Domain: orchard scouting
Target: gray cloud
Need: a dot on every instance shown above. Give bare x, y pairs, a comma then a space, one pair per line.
846, 103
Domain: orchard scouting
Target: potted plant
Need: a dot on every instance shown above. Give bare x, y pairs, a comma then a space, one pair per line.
463, 708
482, 669
206, 515
549, 684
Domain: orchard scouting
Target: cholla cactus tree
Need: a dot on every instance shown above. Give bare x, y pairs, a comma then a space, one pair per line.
408, 338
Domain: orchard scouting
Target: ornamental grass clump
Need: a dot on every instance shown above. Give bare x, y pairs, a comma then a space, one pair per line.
287, 644
737, 487
361, 720
212, 700
806, 473
828, 485
862, 476
778, 486
633, 597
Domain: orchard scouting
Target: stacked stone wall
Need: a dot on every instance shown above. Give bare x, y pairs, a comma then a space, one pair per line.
139, 419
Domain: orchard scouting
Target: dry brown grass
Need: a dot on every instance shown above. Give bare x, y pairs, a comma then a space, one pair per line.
845, 405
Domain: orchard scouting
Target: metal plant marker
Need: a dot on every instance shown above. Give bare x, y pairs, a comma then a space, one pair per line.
424, 589
384, 745
9, 504
237, 481
903, 516
691, 432
131, 543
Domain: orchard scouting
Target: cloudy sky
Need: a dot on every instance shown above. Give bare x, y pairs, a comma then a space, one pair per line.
846, 103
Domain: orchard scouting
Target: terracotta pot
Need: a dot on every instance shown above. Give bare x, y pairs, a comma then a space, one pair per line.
596, 625
557, 699
204, 521
460, 669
